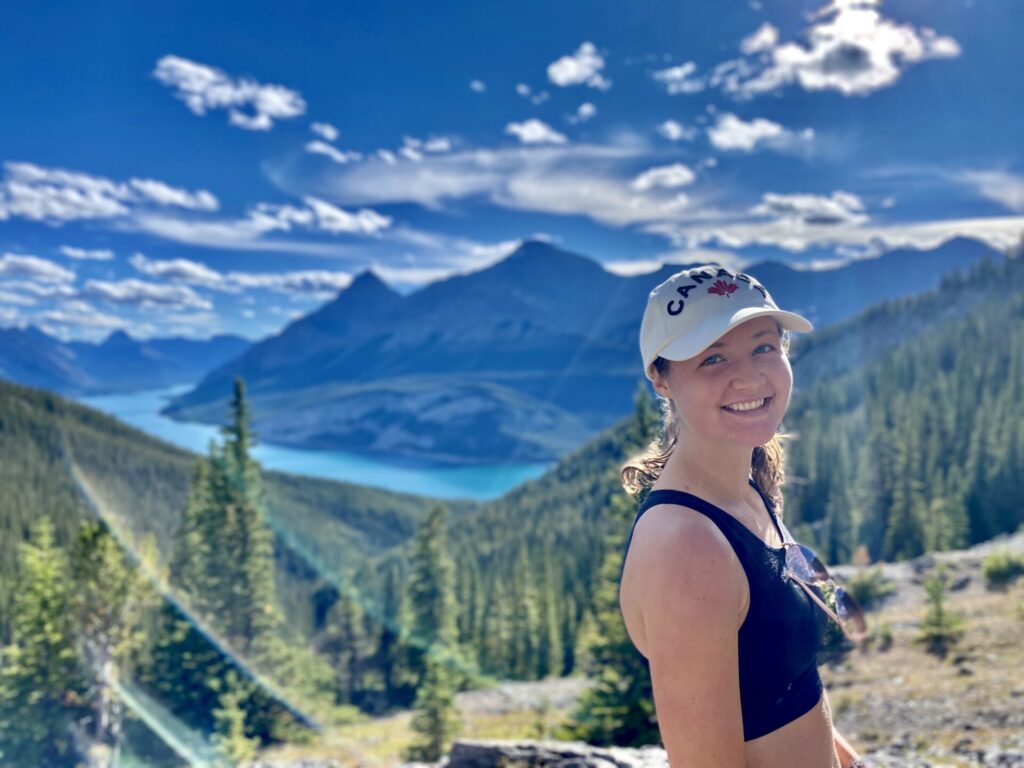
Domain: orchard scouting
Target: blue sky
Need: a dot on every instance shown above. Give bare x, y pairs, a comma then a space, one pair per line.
196, 168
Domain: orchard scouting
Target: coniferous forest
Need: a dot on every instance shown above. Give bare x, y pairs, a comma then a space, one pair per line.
251, 608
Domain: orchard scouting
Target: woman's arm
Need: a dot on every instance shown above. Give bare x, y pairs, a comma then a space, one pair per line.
688, 586
847, 754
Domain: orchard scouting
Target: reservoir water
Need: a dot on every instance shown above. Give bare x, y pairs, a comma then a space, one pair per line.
142, 410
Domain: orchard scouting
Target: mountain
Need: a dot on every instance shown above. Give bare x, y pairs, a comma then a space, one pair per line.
521, 361
117, 364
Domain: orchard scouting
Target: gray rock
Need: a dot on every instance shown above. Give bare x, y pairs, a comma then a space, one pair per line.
551, 754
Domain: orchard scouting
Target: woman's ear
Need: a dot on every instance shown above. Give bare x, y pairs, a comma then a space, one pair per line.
660, 383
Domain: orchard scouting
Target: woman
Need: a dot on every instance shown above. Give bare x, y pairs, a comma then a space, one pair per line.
730, 638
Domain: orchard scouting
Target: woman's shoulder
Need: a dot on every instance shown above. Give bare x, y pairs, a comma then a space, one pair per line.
679, 568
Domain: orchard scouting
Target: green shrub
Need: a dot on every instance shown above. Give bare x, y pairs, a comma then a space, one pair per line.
870, 587
1002, 568
941, 628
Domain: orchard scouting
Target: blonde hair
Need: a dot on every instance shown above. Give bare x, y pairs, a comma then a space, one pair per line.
767, 463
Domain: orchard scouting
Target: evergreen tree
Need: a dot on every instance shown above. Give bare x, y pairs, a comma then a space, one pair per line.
430, 591
345, 644
436, 719
619, 708
230, 738
434, 637
110, 604
940, 629
41, 686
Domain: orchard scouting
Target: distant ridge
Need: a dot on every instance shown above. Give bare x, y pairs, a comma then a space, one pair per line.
119, 363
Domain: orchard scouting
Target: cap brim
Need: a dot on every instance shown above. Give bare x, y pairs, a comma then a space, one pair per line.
696, 341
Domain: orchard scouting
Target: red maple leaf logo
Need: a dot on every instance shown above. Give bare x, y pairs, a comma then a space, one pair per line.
723, 288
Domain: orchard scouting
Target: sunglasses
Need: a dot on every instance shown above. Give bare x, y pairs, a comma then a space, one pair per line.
807, 570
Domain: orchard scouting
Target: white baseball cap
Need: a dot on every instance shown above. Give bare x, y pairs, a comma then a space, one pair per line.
695, 307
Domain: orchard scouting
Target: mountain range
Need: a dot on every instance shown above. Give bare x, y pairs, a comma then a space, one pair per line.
521, 361
117, 364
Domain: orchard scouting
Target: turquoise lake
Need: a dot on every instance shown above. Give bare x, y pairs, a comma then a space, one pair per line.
141, 410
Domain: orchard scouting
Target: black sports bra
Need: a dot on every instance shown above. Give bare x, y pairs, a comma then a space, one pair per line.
780, 636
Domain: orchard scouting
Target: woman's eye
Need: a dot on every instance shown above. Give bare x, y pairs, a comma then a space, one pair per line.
709, 360
769, 347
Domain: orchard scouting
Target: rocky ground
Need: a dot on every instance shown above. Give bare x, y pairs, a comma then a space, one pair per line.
899, 707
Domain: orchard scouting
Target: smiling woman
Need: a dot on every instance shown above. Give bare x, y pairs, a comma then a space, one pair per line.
731, 641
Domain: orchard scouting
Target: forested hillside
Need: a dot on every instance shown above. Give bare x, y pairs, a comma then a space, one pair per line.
391, 600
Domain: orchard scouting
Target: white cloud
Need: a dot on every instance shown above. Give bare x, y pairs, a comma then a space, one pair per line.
34, 268
438, 144
584, 112
630, 268
765, 38
337, 155
477, 86
796, 234
732, 133
851, 48
387, 156
79, 319
674, 131
179, 271
580, 68
318, 284
333, 219
204, 88
535, 131
678, 79
523, 90
840, 207
1000, 186
42, 290
587, 180
54, 195
81, 253
164, 194
326, 131
667, 176
144, 295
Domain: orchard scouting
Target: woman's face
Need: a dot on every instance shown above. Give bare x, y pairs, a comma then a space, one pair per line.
736, 390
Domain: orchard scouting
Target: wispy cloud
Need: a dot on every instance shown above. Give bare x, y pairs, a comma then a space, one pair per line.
477, 86
316, 284
1007, 189
251, 105
144, 295
55, 195
580, 68
339, 156
13, 265
326, 131
534, 131
675, 131
731, 133
668, 176
86, 254
583, 113
680, 79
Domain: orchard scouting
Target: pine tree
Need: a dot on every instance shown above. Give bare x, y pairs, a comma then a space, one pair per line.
431, 591
436, 719
940, 629
41, 685
345, 644
434, 635
110, 604
619, 708
230, 738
